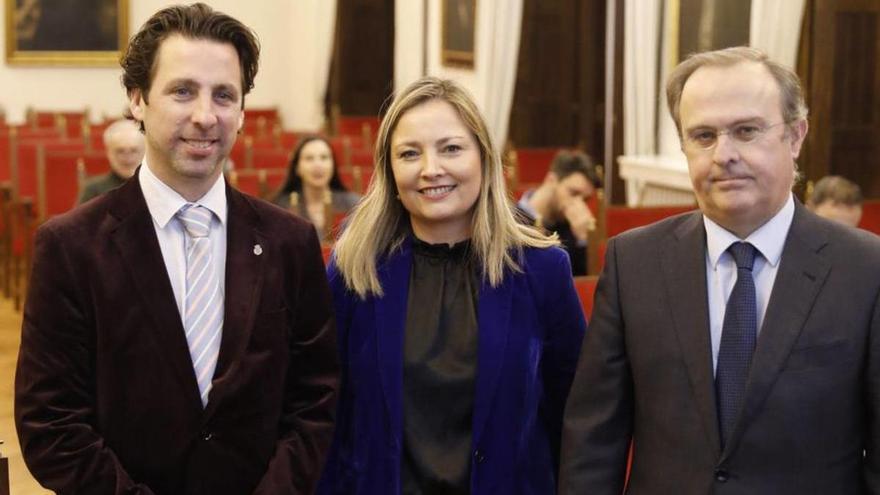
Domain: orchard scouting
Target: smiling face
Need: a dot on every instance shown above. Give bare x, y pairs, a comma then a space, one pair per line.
739, 185
436, 164
192, 113
315, 165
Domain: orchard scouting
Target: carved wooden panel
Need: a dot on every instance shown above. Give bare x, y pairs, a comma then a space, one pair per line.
843, 92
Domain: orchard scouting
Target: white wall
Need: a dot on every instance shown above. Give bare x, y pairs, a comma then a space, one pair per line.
409, 53
496, 47
293, 36
72, 88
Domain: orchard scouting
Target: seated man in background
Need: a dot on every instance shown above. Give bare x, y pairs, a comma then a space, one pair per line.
559, 204
837, 198
125, 150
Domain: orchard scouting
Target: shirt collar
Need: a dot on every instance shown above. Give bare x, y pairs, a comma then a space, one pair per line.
164, 202
525, 204
768, 239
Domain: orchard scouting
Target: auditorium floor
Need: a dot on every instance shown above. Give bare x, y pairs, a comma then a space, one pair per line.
20, 480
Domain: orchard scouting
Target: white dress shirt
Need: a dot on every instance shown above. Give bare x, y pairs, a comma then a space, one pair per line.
769, 239
164, 203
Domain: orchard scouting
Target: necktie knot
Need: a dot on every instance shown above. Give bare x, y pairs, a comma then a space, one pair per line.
196, 219
743, 254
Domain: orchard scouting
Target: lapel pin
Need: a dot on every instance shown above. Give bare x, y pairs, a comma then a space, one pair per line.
258, 250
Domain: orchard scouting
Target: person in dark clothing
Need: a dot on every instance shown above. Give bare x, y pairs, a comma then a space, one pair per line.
313, 181
124, 144
559, 204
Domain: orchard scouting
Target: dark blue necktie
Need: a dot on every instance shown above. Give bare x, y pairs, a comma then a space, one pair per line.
738, 337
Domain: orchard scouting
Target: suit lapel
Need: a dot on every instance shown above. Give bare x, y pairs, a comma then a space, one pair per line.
390, 324
802, 272
244, 276
135, 238
494, 307
683, 262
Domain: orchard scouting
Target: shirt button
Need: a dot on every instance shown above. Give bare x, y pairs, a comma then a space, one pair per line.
206, 436
721, 475
479, 457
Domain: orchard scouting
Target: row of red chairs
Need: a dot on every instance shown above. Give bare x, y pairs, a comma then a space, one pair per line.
44, 162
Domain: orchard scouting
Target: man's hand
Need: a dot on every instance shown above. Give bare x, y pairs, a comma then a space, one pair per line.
580, 218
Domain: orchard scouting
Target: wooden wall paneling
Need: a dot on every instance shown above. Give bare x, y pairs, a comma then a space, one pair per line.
804, 71
617, 194
844, 92
362, 70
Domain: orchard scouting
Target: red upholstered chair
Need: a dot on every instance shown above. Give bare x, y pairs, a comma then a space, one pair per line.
22, 220
285, 139
260, 121
246, 181
586, 289
326, 251
619, 219
531, 164
67, 124
340, 145
30, 154
360, 158
261, 183
358, 126
269, 113
362, 177
95, 162
871, 216
614, 220
270, 158
6, 238
58, 182
274, 177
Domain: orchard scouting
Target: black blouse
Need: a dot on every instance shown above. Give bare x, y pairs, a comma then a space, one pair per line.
439, 370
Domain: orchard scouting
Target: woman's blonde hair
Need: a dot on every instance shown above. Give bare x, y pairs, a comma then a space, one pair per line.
378, 225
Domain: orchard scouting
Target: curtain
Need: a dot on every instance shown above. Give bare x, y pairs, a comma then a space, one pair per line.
775, 28
641, 38
499, 77
311, 42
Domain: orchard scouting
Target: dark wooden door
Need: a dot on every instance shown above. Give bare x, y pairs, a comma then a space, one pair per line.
843, 91
362, 70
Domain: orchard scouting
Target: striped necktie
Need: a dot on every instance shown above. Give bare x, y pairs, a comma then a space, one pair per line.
203, 303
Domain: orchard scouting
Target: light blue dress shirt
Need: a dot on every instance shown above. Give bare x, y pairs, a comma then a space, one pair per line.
769, 239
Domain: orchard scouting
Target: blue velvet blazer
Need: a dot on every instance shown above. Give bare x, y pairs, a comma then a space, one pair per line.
530, 332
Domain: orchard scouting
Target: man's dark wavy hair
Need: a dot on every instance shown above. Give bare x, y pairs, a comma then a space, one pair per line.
196, 21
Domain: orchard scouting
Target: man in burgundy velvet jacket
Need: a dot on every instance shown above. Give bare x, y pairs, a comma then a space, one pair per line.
139, 373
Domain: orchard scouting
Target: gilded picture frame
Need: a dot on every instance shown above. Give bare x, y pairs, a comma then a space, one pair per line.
459, 20
86, 33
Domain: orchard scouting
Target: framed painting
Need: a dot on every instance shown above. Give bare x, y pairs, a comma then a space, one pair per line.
65, 32
459, 20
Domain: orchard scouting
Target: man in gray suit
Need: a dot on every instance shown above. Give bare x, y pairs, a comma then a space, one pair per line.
734, 349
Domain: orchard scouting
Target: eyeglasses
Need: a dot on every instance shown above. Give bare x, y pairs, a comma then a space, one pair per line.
705, 138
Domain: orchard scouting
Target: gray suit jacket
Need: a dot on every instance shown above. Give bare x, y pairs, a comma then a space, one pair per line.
810, 417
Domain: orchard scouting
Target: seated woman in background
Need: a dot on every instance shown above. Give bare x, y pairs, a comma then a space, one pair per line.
459, 329
313, 184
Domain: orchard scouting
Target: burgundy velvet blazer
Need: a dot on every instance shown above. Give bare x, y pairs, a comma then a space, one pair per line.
106, 399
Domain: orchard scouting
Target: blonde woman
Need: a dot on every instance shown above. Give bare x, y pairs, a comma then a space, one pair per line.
459, 328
